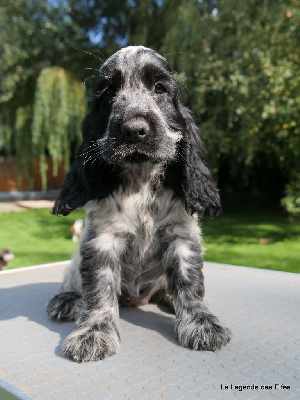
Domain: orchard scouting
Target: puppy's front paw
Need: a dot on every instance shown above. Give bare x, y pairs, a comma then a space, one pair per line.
202, 332
92, 343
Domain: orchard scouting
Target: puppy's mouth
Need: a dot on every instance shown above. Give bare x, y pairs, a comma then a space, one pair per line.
133, 153
137, 158
114, 149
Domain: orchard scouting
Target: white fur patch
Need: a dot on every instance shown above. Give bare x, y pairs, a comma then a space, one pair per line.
108, 242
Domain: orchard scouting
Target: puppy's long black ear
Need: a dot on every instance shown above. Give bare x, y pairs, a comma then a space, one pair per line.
93, 179
201, 194
190, 175
74, 192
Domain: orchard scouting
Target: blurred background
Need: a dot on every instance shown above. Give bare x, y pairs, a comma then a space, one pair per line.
237, 63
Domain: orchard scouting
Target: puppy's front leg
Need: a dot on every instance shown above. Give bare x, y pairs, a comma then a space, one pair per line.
96, 335
196, 327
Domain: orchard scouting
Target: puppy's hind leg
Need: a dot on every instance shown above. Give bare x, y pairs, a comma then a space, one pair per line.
67, 304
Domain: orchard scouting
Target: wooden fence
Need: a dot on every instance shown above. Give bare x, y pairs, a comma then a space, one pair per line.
10, 183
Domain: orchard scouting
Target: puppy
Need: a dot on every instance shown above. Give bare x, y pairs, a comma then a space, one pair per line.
142, 174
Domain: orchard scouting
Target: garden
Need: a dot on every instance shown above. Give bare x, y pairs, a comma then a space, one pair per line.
237, 65
70, 112
245, 235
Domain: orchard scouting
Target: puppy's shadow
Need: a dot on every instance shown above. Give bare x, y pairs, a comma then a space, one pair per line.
158, 319
30, 301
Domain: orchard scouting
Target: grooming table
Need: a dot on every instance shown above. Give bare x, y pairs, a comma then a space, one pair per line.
262, 362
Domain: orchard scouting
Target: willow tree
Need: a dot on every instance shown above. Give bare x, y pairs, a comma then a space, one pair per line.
58, 110
35, 34
49, 124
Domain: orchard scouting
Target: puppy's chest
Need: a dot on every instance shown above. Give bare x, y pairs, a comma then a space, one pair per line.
142, 215
135, 222
137, 217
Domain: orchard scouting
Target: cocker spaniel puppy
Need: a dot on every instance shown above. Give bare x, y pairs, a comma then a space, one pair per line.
141, 172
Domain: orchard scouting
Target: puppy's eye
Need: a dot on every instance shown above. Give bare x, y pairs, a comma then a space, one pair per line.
159, 88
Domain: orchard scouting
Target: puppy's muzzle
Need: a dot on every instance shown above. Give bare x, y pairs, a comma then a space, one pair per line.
135, 130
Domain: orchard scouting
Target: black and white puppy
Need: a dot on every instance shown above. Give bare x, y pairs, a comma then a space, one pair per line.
141, 172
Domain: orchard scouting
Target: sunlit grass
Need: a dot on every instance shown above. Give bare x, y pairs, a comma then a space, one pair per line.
37, 237
248, 236
253, 237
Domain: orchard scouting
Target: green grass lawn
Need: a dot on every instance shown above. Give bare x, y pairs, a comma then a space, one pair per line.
254, 237
250, 237
37, 237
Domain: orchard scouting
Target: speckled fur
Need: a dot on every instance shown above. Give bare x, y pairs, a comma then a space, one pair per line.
141, 241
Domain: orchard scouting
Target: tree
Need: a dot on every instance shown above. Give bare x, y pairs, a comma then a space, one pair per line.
239, 62
35, 35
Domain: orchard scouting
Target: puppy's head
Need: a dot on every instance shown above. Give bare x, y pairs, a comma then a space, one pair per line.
137, 117
134, 117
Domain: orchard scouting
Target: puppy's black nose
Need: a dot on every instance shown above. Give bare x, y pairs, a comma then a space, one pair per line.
135, 130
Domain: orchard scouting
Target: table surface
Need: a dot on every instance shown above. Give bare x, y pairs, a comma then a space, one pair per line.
261, 307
